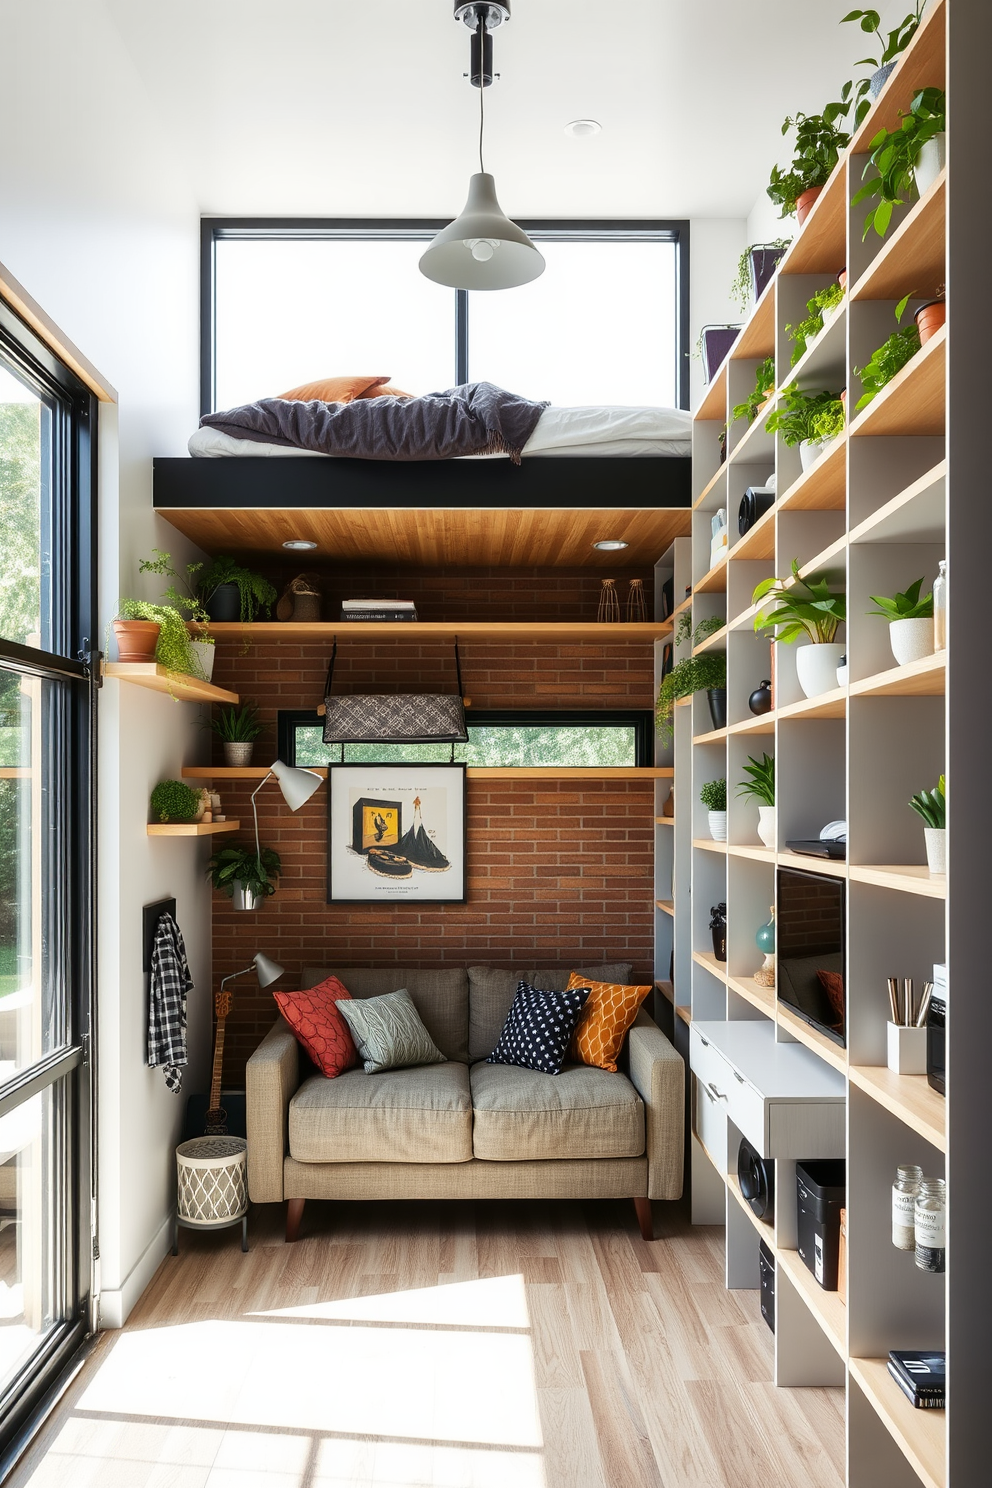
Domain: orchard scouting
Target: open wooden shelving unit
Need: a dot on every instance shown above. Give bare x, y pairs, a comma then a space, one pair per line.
633, 633
872, 513
192, 829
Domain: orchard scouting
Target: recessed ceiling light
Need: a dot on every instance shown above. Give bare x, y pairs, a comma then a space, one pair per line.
583, 128
299, 545
610, 544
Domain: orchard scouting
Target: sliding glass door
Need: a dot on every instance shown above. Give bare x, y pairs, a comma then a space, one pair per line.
46, 889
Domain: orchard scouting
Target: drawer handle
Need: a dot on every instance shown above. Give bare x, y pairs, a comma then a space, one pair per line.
738, 1078
704, 1041
716, 1094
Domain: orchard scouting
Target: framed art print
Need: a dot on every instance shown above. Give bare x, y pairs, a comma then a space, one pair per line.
396, 834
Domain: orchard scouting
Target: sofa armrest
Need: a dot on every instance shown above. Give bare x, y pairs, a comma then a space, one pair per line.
271, 1078
657, 1072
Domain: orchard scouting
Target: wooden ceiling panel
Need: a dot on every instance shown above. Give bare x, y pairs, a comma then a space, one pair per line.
438, 538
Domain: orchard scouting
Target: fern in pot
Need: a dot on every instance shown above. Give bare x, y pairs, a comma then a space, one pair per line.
182, 596
910, 617
237, 729
705, 673
810, 420
804, 608
761, 788
244, 875
714, 797
932, 806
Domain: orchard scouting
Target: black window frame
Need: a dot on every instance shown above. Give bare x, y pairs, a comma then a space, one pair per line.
641, 719
215, 229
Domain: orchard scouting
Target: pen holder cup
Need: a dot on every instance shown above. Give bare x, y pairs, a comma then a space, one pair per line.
906, 1050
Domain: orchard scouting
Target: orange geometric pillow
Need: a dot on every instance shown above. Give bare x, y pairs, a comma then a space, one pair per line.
606, 1017
334, 390
319, 1027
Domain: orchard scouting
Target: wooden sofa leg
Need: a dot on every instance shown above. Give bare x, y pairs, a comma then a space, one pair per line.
294, 1215
644, 1219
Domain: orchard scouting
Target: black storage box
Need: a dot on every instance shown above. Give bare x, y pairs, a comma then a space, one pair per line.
821, 1193
766, 1266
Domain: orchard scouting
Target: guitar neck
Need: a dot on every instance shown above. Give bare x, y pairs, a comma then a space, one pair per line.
218, 1064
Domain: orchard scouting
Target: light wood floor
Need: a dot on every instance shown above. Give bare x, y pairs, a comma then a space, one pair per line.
453, 1345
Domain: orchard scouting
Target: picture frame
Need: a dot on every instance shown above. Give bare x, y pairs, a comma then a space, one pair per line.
396, 833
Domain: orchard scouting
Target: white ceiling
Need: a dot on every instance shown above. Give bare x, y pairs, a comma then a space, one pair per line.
328, 108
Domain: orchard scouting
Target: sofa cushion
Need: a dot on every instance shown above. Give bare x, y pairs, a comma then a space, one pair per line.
606, 1017
313, 1016
403, 1116
491, 993
521, 1115
440, 997
539, 1028
389, 1032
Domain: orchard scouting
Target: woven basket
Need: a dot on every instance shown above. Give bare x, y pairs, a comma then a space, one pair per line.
213, 1182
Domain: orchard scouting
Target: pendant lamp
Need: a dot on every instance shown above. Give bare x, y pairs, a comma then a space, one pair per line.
482, 248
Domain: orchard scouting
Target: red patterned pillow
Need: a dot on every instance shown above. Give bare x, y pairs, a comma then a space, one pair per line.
320, 1028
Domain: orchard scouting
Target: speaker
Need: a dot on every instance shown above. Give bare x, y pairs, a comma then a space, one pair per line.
754, 503
756, 1176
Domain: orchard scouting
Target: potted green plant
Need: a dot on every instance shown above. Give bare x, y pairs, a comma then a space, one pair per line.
764, 387
230, 591
161, 634
891, 49
714, 797
182, 595
243, 875
237, 728
690, 675
807, 608
761, 788
820, 310
932, 806
755, 268
817, 149
175, 801
910, 617
889, 358
804, 419
910, 155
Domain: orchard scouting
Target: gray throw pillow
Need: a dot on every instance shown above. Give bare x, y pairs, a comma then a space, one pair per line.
388, 1032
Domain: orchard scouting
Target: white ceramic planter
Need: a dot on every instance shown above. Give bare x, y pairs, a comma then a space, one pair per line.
816, 667
930, 163
203, 656
811, 450
827, 314
911, 640
843, 674
936, 841
718, 825
766, 825
245, 898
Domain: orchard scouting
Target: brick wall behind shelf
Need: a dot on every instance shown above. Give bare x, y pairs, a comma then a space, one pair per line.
558, 870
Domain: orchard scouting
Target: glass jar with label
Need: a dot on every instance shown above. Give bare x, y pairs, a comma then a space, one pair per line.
940, 607
931, 1225
904, 1191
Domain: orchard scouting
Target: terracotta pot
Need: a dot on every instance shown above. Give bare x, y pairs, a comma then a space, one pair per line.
929, 319
136, 639
842, 279
804, 203
843, 398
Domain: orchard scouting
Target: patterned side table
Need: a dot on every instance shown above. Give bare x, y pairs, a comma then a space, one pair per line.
213, 1186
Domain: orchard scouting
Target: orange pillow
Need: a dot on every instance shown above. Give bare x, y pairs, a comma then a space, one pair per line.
335, 390
386, 391
313, 1016
606, 1017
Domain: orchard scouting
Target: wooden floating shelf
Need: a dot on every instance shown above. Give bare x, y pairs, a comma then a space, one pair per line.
714, 401
914, 253
909, 1097
923, 678
463, 630
826, 1307
757, 339
817, 1042
915, 878
177, 684
664, 821
192, 829
474, 772
915, 401
819, 246
667, 906
921, 1434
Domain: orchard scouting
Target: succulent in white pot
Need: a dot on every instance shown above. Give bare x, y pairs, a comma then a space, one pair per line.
714, 797
761, 788
910, 617
932, 806
810, 609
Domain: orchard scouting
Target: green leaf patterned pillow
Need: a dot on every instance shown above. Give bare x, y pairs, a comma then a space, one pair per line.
389, 1033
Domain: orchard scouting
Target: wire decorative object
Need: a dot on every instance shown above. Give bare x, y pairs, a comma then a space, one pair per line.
609, 602
636, 608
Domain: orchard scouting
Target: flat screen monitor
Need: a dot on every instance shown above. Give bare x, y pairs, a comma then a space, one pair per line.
809, 950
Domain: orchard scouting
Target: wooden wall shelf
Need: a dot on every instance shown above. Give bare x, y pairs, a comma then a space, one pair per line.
826, 1307
907, 1096
177, 684
913, 878
474, 772
192, 829
923, 678
921, 1434
463, 630
914, 402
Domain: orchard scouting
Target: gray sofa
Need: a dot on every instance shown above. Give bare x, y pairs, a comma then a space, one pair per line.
465, 1129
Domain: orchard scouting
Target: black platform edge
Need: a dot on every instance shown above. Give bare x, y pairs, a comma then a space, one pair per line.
240, 482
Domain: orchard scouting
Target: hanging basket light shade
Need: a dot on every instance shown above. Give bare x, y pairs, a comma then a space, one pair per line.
482, 248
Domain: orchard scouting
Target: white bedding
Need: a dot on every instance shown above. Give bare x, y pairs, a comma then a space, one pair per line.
587, 432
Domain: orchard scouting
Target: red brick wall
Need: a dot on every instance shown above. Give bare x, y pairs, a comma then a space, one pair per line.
558, 871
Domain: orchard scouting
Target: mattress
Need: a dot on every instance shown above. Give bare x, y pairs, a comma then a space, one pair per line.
594, 432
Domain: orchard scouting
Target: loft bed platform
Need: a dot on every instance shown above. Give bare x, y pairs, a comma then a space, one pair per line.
548, 510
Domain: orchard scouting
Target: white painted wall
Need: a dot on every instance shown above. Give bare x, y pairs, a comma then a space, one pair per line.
98, 225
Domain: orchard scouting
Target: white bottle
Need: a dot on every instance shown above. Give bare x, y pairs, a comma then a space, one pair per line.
940, 607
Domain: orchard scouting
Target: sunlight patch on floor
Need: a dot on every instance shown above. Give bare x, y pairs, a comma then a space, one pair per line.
495, 1302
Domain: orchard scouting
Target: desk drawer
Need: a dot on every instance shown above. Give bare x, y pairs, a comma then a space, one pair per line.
729, 1091
710, 1124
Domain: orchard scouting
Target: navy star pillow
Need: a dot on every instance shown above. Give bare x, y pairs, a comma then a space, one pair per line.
539, 1028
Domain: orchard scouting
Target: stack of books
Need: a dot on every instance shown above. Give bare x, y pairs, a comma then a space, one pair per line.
922, 1377
378, 609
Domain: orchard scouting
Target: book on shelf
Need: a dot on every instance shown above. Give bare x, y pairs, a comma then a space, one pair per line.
377, 604
389, 615
921, 1376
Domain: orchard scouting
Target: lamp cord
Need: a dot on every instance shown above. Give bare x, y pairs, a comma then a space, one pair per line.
482, 86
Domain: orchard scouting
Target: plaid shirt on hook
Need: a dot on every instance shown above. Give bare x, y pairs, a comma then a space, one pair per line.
170, 983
